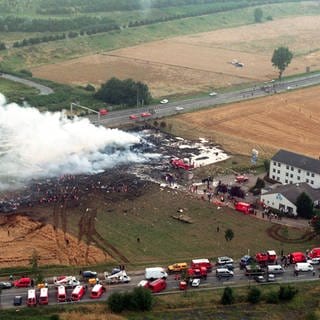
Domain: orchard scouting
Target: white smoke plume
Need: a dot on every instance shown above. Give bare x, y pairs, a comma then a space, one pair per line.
35, 144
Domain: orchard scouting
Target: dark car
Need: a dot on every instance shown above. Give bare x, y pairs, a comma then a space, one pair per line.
89, 274
246, 260
17, 301
5, 285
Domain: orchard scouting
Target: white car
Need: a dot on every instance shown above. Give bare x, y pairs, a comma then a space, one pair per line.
179, 108
225, 260
212, 94
164, 101
314, 261
195, 283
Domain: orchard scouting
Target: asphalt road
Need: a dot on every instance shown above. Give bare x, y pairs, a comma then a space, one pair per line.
42, 89
118, 118
211, 283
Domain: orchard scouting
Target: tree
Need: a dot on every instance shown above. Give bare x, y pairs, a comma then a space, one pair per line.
258, 14
229, 234
34, 261
115, 302
227, 297
142, 299
304, 206
287, 293
281, 58
126, 92
254, 295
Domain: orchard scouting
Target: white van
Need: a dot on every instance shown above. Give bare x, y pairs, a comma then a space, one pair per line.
155, 273
303, 266
276, 268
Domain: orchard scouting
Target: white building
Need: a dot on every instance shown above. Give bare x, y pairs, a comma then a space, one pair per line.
284, 197
290, 168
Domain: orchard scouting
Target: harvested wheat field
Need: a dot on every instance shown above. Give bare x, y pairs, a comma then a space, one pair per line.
289, 121
19, 235
199, 62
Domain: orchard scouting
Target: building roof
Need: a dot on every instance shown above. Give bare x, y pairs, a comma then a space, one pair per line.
293, 191
297, 160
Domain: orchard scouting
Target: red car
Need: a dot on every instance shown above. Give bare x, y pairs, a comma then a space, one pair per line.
103, 112
146, 114
133, 117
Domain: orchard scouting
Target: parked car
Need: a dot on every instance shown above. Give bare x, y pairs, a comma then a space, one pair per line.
133, 117
314, 261
246, 260
179, 108
195, 282
224, 260
177, 267
164, 101
17, 301
89, 274
212, 94
224, 273
5, 285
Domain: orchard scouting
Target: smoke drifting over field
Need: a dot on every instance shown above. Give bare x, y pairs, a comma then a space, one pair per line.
34, 145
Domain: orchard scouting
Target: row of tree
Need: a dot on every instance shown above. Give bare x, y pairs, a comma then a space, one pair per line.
82, 6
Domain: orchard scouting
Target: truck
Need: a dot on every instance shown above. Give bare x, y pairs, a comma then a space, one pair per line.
265, 258
43, 297
31, 298
155, 273
119, 277
295, 257
97, 291
67, 281
244, 207
196, 273
157, 285
314, 253
77, 293
178, 163
198, 263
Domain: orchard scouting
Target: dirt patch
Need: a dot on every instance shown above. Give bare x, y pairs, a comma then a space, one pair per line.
20, 235
201, 61
289, 121
275, 232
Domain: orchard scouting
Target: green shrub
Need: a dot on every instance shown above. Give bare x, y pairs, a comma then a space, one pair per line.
227, 297
272, 297
254, 295
142, 299
115, 302
287, 293
54, 317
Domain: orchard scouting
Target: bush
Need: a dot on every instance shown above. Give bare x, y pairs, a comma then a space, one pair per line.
272, 297
54, 317
287, 293
254, 295
142, 299
90, 87
227, 297
115, 302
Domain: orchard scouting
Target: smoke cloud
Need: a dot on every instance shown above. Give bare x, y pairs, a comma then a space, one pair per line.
36, 145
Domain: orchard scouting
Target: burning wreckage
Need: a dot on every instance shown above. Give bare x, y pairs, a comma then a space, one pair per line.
168, 157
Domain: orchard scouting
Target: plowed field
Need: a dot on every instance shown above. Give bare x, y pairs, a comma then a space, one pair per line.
289, 121
199, 62
20, 235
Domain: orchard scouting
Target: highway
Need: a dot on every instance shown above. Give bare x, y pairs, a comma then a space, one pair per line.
121, 117
211, 283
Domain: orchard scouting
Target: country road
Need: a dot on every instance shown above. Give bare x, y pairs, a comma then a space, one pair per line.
43, 89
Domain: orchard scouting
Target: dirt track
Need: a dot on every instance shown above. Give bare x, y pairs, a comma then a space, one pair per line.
289, 121
199, 62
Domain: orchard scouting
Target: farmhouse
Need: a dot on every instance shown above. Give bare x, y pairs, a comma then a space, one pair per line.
284, 197
288, 167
